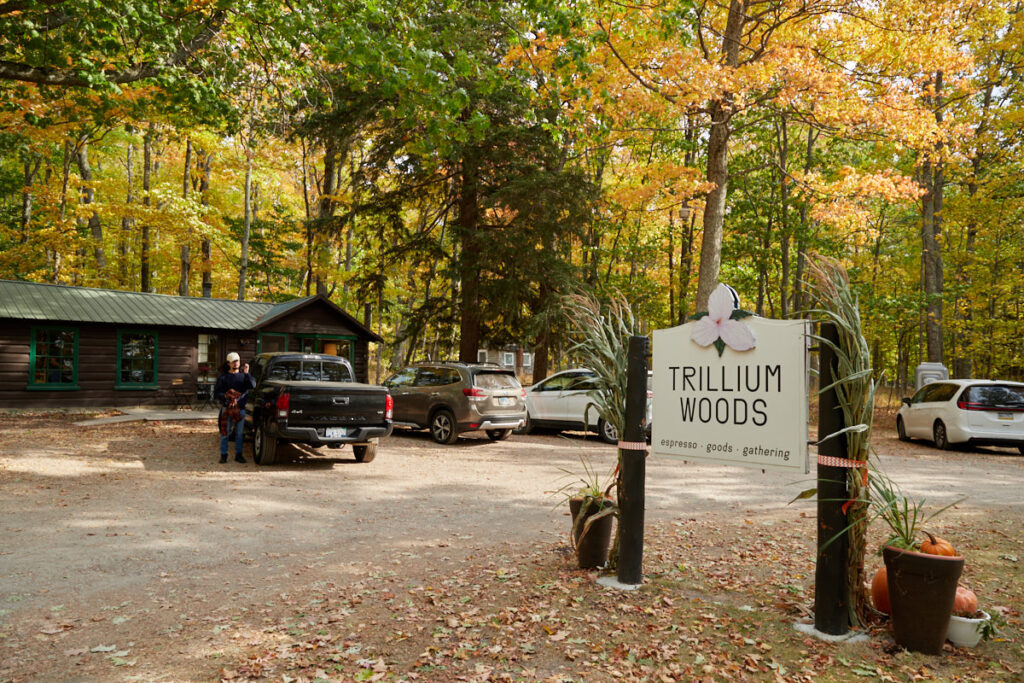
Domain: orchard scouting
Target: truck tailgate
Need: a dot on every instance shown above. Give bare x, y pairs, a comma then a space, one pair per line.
318, 404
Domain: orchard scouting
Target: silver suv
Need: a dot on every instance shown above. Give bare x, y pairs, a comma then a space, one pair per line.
451, 398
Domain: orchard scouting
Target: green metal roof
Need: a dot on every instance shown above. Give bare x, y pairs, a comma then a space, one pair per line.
63, 303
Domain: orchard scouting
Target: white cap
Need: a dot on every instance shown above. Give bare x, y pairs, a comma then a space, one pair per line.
232, 357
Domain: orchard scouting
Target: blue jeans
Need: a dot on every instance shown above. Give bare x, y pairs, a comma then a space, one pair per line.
239, 433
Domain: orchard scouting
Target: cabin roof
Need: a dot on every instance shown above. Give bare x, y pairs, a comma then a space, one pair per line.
64, 303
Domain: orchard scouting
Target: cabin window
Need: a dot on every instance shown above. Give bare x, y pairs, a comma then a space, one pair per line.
270, 341
53, 358
137, 359
208, 354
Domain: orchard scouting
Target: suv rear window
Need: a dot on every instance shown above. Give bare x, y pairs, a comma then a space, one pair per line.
496, 380
309, 370
994, 395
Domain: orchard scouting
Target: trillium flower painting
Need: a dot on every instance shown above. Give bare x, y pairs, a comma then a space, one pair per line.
723, 324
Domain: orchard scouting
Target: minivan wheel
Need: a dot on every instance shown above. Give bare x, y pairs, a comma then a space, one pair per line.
527, 426
607, 431
939, 436
901, 430
442, 427
498, 434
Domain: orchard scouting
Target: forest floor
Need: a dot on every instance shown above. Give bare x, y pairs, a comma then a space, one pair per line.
128, 553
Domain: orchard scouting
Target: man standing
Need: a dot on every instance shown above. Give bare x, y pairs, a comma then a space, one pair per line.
232, 390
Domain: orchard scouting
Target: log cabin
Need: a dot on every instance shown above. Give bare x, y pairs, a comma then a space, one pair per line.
63, 346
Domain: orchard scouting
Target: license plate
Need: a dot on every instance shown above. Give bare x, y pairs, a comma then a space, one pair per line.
335, 432
505, 400
1005, 416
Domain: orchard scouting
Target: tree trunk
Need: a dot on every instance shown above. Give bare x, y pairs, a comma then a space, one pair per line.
671, 266
205, 161
931, 228
186, 255
469, 265
784, 236
86, 197
718, 163
803, 231
147, 168
31, 172
963, 365
325, 212
127, 222
243, 264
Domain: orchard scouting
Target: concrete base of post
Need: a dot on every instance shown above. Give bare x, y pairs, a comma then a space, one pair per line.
849, 637
610, 581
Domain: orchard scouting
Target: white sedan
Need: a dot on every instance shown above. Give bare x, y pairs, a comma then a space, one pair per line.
561, 402
965, 412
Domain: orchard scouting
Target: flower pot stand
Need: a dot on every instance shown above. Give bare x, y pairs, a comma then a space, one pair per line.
921, 593
591, 543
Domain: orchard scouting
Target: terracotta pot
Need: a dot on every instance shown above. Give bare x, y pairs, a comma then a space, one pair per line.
965, 631
592, 546
921, 592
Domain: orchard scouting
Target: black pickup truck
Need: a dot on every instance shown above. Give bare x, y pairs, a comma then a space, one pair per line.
314, 399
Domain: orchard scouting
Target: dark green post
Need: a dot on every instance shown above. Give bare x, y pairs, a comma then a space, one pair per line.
831, 597
632, 458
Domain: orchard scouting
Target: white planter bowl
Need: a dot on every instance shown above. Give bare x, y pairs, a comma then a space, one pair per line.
964, 632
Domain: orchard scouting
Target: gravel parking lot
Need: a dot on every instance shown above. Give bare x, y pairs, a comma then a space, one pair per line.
140, 516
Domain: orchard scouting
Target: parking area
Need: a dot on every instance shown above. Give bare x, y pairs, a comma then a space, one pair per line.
141, 514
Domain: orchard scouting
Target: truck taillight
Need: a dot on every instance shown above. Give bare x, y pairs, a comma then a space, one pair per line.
283, 401
474, 392
389, 407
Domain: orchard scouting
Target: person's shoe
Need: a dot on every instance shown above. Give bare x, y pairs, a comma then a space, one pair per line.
223, 458
239, 458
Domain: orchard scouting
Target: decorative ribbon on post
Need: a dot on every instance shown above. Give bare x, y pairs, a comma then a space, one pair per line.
633, 445
831, 461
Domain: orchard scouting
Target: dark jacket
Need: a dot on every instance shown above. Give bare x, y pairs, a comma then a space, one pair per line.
242, 382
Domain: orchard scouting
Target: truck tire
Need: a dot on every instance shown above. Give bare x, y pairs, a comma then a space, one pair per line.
264, 447
498, 434
442, 427
364, 452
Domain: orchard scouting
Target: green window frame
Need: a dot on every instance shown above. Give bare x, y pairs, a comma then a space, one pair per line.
269, 335
296, 341
53, 358
138, 359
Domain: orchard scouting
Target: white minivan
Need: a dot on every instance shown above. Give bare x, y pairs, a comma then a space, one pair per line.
965, 412
561, 402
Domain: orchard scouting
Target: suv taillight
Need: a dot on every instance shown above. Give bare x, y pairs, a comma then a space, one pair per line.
283, 401
474, 392
389, 407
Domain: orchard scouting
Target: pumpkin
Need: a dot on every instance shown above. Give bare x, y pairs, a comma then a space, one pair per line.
880, 591
965, 604
937, 546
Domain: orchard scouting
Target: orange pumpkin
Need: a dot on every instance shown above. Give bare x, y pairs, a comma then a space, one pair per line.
880, 591
937, 546
965, 604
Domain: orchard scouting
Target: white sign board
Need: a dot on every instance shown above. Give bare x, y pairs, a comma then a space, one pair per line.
732, 389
